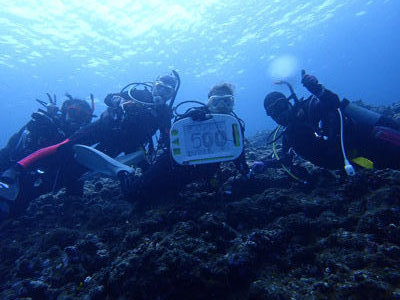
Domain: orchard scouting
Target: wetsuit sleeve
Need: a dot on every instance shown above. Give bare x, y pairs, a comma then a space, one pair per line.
6, 152
165, 126
326, 102
329, 100
86, 135
91, 133
240, 162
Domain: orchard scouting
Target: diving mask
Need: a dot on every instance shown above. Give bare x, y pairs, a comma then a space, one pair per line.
163, 90
77, 115
222, 104
280, 111
277, 107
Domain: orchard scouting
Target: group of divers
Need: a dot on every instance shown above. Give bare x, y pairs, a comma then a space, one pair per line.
141, 129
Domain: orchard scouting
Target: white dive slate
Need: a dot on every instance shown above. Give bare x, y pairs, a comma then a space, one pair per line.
213, 140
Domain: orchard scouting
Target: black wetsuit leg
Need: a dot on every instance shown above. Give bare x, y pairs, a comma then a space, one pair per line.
166, 177
385, 148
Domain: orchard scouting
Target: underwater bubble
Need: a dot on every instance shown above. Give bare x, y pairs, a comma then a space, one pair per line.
283, 67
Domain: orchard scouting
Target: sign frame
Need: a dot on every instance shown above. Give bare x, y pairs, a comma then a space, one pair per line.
213, 140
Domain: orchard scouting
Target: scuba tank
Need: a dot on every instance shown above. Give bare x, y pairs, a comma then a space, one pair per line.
362, 116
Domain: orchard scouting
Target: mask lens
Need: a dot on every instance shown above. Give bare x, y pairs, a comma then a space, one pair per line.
222, 103
76, 114
277, 107
162, 89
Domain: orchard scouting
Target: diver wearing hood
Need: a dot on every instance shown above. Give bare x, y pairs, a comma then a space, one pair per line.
128, 124
46, 127
331, 133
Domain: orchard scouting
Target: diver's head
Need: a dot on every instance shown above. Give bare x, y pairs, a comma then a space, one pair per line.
221, 99
164, 88
278, 107
76, 113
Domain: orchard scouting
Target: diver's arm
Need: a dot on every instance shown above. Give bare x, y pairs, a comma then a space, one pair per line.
90, 134
7, 152
284, 156
165, 126
85, 135
40, 154
241, 164
4, 158
197, 113
326, 100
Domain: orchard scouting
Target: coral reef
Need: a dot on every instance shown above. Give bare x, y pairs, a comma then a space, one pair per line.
271, 238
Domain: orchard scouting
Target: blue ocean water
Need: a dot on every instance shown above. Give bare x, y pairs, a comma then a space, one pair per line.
84, 47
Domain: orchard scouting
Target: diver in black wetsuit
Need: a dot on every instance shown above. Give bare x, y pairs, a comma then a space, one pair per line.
331, 133
130, 121
169, 177
46, 128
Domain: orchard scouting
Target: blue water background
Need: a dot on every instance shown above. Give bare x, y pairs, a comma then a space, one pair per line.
97, 47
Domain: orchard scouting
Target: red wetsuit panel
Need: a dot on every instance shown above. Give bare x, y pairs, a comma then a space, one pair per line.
40, 154
387, 134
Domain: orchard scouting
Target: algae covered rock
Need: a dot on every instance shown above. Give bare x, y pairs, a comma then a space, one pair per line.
338, 238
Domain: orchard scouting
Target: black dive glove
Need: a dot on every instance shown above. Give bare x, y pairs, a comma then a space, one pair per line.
198, 115
12, 174
40, 119
310, 82
9, 182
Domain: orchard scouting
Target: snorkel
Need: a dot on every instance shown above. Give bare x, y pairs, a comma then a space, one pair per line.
292, 93
178, 85
92, 104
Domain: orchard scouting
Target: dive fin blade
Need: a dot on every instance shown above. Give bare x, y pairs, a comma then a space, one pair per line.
98, 161
4, 207
9, 191
132, 158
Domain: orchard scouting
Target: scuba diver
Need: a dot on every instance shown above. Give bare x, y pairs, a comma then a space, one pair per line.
133, 116
330, 133
199, 142
46, 127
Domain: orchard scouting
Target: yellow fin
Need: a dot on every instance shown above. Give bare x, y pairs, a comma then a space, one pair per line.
363, 162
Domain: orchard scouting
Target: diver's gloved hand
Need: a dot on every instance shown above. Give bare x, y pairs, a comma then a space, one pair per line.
310, 82
12, 174
9, 183
198, 115
260, 166
112, 100
41, 119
